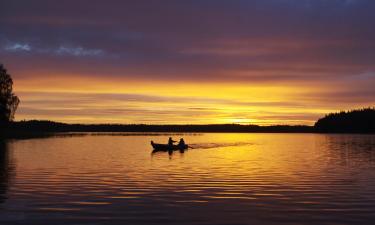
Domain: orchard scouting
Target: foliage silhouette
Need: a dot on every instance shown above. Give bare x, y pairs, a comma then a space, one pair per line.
8, 101
355, 121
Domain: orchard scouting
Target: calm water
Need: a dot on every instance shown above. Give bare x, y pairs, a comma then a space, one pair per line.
225, 179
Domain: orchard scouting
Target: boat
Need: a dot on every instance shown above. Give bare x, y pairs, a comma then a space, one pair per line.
166, 147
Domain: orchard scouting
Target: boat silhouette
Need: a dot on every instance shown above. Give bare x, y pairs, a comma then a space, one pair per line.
166, 147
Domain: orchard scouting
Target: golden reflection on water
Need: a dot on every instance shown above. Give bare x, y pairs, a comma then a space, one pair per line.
272, 177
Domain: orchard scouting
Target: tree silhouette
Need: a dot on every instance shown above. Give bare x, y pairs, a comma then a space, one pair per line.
355, 121
8, 101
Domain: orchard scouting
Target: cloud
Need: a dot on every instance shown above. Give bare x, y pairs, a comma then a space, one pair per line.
78, 51
59, 51
16, 47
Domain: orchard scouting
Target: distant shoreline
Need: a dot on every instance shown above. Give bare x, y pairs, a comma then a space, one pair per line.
351, 122
44, 128
38, 129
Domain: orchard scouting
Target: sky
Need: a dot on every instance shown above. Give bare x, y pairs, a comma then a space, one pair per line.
189, 61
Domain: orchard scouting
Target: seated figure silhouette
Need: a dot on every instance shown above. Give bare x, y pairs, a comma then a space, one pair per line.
181, 144
171, 141
170, 145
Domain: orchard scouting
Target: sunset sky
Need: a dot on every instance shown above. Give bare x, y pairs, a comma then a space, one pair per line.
189, 61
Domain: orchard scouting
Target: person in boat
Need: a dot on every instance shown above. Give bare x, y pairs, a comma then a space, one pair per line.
181, 144
171, 141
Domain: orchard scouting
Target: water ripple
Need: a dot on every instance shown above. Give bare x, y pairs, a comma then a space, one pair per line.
237, 179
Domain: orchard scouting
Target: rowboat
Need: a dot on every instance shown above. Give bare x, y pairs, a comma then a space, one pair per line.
165, 147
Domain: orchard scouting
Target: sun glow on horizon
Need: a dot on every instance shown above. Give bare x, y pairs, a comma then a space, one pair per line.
81, 99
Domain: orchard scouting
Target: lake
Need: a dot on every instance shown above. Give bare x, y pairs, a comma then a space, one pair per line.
223, 179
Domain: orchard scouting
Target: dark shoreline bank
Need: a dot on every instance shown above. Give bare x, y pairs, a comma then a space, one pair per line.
30, 129
351, 122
